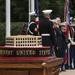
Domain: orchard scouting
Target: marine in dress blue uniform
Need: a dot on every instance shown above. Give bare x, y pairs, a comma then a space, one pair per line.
46, 30
72, 47
64, 44
32, 27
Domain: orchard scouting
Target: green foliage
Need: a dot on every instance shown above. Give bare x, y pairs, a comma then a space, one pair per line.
16, 29
19, 9
43, 4
2, 33
19, 13
56, 5
72, 6
2, 10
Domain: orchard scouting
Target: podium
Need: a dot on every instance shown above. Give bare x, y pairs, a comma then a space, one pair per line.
36, 62
50, 66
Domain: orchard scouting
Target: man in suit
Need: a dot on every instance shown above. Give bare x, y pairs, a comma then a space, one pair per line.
46, 30
58, 44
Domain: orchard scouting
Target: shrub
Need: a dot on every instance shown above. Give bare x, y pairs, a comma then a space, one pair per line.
16, 29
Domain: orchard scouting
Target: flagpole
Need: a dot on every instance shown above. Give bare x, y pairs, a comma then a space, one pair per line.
32, 5
29, 10
7, 17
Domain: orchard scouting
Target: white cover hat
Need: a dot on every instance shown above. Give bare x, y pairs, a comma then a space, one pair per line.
57, 18
74, 19
71, 18
47, 11
63, 24
54, 20
32, 13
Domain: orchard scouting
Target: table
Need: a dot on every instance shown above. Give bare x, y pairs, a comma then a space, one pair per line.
44, 66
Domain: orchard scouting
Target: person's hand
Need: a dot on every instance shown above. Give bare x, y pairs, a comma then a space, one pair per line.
63, 30
35, 29
57, 48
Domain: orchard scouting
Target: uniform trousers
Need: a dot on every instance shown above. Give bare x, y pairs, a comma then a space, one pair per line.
72, 56
63, 56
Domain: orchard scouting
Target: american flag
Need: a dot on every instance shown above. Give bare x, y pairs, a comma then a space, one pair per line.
67, 16
37, 15
67, 20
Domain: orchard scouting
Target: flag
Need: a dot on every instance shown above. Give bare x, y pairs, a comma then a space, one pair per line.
67, 20
37, 14
67, 16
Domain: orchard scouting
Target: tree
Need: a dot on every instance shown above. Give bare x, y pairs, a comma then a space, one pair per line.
19, 9
2, 10
43, 4
72, 8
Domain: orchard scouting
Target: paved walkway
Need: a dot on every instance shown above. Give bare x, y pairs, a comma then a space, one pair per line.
68, 72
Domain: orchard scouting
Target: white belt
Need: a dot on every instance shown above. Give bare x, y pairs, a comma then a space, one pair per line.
45, 34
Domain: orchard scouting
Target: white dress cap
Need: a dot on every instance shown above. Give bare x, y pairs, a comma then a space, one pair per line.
32, 13
54, 20
71, 18
74, 19
63, 24
57, 18
47, 11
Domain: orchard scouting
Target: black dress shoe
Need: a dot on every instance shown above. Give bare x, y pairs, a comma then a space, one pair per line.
62, 70
67, 67
74, 67
71, 68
